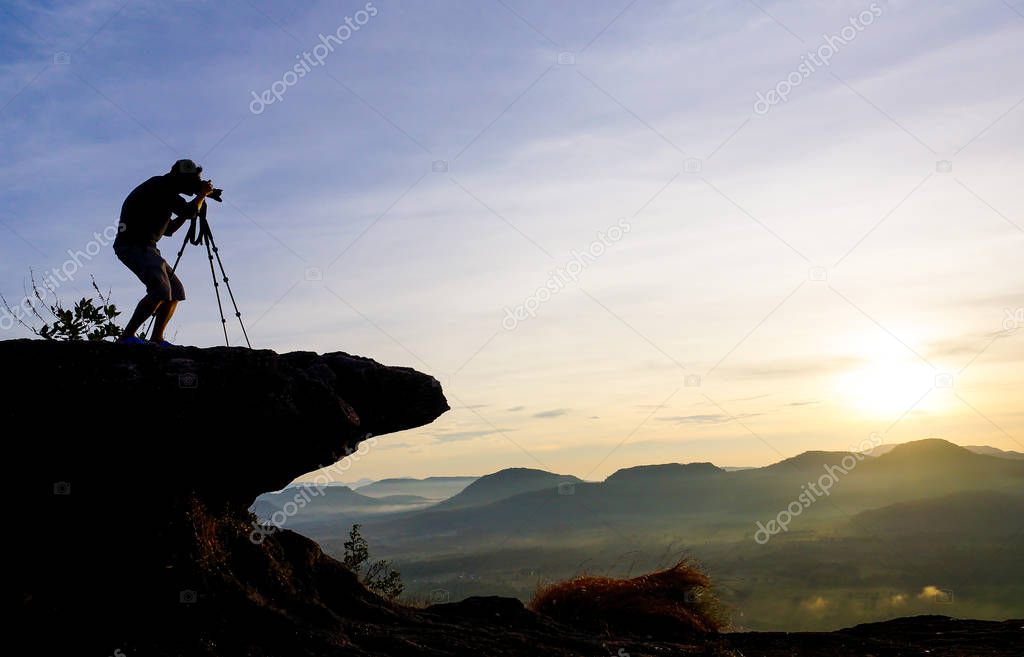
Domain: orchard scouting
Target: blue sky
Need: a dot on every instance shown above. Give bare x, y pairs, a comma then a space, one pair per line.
813, 265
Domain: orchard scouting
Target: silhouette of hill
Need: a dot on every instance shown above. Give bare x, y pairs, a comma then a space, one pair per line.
974, 514
977, 449
929, 448
432, 488
938, 467
993, 451
503, 484
812, 461
667, 472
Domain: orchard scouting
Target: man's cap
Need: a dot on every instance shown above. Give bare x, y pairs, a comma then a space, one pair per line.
182, 167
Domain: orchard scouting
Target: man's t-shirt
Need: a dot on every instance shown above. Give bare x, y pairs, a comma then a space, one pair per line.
146, 213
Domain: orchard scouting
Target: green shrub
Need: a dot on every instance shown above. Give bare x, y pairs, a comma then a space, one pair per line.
88, 319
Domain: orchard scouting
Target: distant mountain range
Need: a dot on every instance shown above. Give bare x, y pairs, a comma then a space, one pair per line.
866, 537
686, 497
676, 495
434, 488
306, 502
448, 493
977, 449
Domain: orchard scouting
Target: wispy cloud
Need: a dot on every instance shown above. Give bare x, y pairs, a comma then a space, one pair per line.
384, 444
457, 436
795, 367
713, 418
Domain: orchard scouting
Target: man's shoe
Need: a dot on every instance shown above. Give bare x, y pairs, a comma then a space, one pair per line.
161, 343
130, 339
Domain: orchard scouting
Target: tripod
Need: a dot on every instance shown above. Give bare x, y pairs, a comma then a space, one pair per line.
199, 233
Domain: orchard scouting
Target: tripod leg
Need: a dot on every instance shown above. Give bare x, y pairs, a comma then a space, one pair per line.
216, 289
231, 294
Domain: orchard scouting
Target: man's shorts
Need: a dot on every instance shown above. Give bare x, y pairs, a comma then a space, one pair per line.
147, 263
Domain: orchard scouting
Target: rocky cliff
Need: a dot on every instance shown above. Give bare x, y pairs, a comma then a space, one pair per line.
133, 469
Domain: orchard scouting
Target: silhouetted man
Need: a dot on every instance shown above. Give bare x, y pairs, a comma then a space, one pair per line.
145, 218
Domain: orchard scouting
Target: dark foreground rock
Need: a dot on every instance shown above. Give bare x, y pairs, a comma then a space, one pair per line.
129, 533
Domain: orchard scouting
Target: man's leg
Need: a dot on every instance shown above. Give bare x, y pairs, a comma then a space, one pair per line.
163, 315
143, 311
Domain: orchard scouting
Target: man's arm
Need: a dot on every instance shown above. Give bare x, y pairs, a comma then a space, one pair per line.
186, 210
173, 227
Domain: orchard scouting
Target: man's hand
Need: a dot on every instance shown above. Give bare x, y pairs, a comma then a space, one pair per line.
204, 190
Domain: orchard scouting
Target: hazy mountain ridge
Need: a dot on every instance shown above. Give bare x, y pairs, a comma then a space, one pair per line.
994, 451
453, 492
683, 494
435, 488
332, 500
663, 471
677, 491
977, 449
965, 514
504, 484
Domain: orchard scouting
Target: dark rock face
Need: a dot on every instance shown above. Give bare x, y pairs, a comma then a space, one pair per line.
228, 423
135, 466
129, 533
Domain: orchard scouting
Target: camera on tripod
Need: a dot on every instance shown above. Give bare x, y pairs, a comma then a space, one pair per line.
215, 194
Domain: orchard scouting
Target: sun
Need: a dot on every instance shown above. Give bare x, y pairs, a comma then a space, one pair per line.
887, 387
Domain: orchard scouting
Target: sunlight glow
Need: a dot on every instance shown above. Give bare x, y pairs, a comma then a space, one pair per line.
887, 387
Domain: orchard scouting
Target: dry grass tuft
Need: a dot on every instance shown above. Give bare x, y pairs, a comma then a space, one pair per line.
674, 601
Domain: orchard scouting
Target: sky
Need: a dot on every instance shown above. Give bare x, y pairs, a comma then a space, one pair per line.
617, 232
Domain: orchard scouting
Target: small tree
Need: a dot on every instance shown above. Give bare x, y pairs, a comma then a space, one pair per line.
357, 550
89, 319
378, 576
